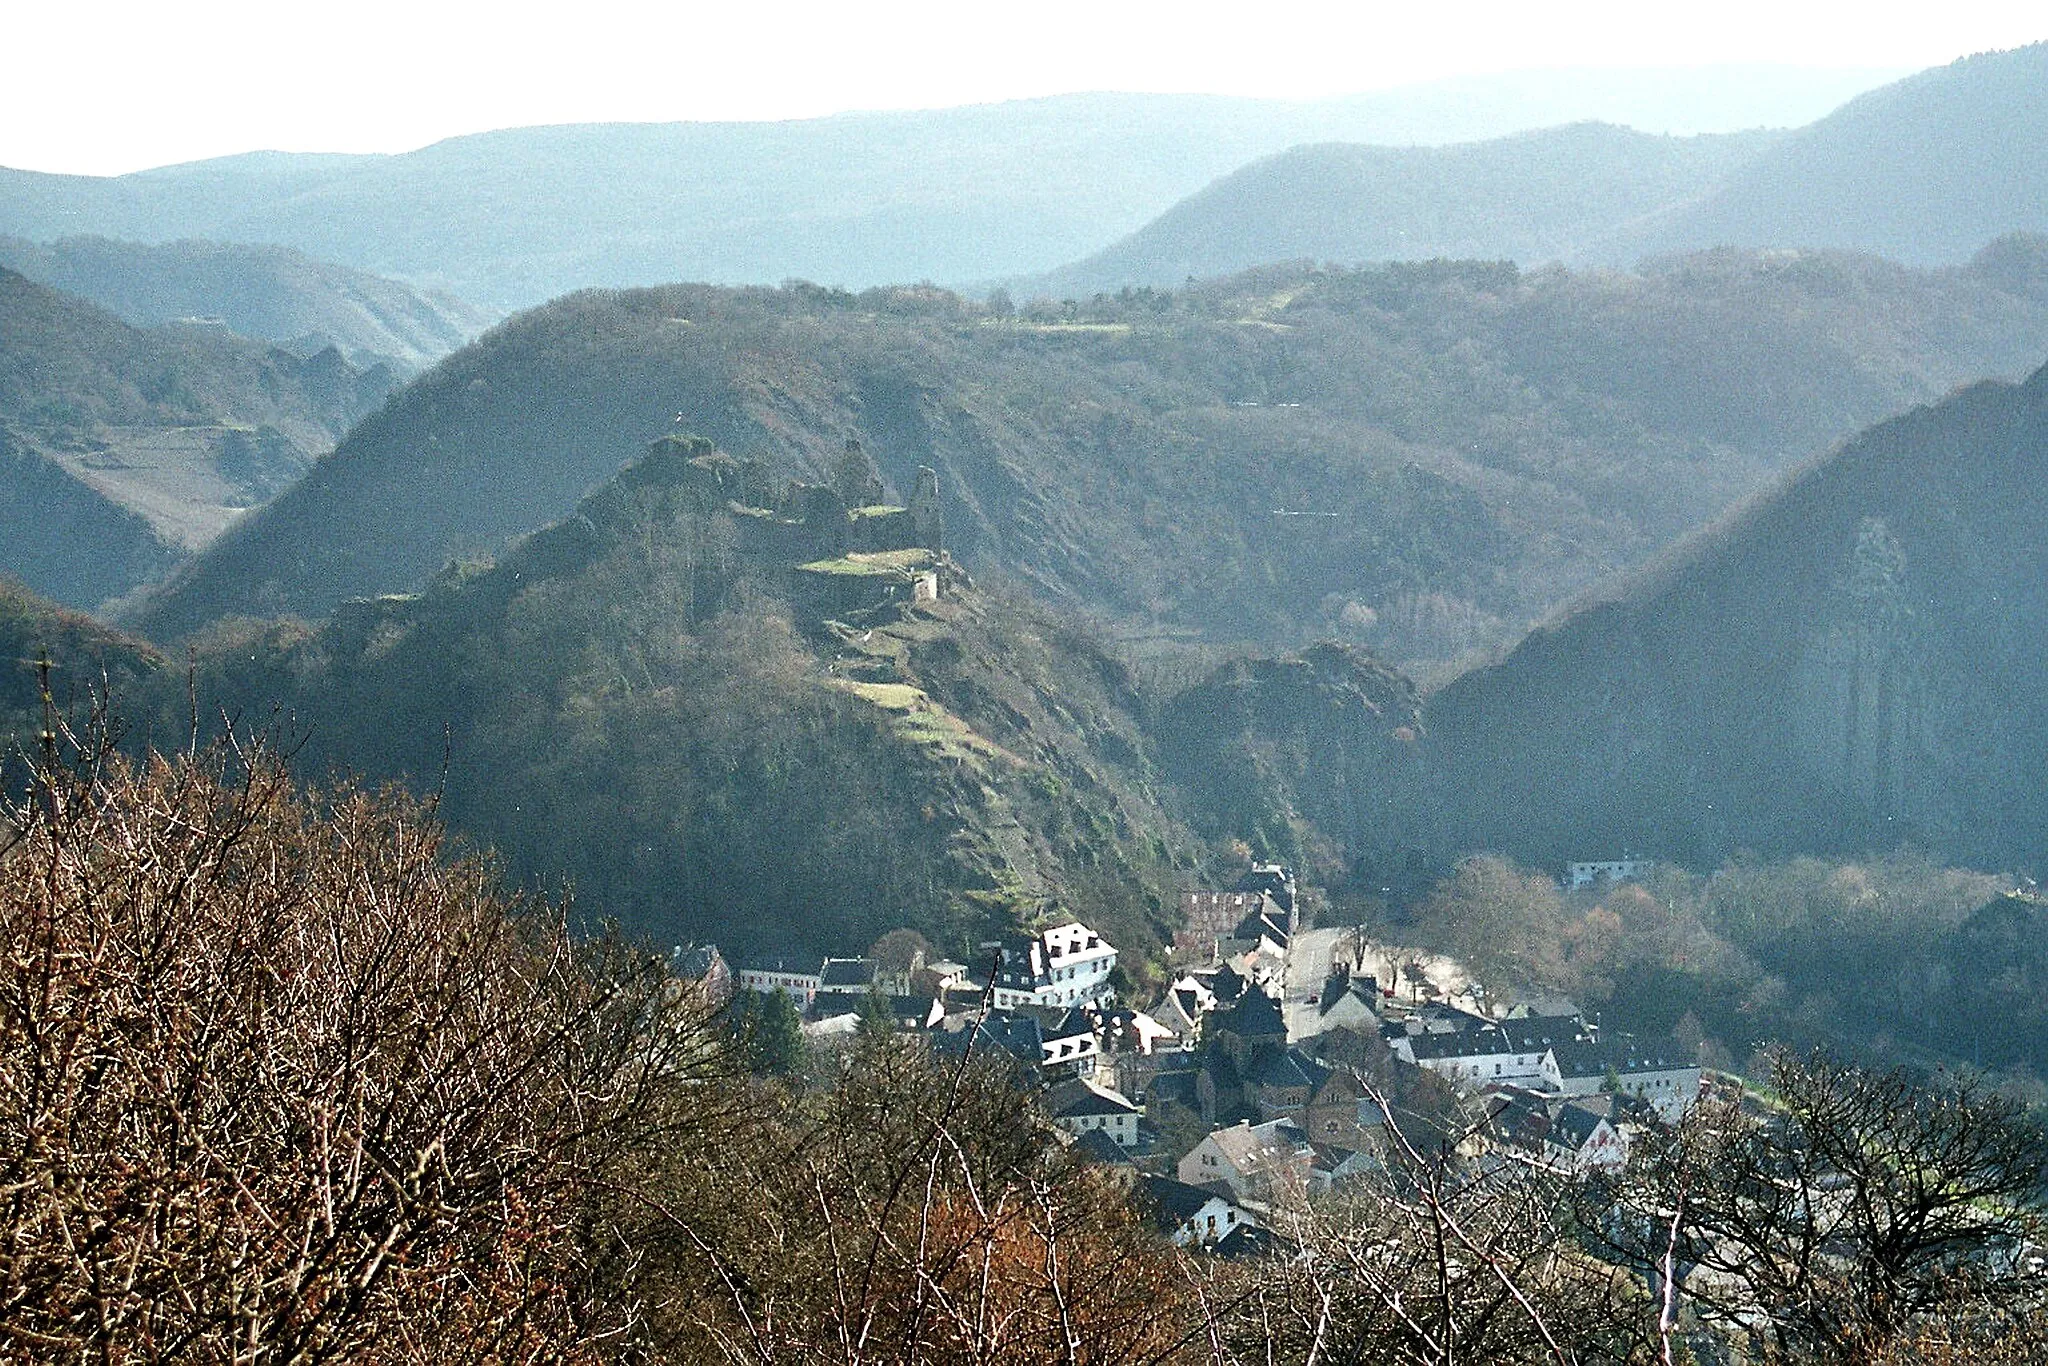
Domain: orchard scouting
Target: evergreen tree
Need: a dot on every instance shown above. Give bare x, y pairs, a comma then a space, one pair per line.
875, 1020
775, 1036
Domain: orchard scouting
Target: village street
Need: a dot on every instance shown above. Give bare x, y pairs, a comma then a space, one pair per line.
1313, 954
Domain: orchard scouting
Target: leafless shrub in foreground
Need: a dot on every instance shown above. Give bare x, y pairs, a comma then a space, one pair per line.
278, 1083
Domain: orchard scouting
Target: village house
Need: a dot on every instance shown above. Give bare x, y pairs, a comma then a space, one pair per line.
1586, 874
1080, 1107
1559, 1132
1182, 1007
849, 977
1662, 1073
1047, 1046
1332, 1165
1341, 1112
1068, 965
704, 965
1253, 1164
1190, 1215
799, 984
1348, 1002
1471, 1059
1263, 930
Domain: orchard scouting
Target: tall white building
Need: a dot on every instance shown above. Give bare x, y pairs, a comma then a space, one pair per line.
1065, 966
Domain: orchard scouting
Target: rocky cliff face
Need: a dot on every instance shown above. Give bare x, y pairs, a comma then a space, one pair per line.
1292, 752
1854, 662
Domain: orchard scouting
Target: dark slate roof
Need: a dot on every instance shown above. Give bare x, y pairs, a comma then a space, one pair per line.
1227, 984
1255, 1016
1248, 1240
1460, 1044
1074, 1098
695, 961
1575, 1126
1268, 922
1015, 1035
1176, 1201
1623, 1055
802, 967
1288, 1068
849, 972
1098, 1147
1534, 1033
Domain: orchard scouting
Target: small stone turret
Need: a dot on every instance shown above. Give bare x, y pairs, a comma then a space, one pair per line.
924, 509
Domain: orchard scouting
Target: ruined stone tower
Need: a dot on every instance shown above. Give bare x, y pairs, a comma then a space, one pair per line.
924, 509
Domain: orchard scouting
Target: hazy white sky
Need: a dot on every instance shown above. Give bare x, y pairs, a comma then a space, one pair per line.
103, 86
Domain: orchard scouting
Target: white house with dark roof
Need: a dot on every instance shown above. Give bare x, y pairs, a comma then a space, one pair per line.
848, 976
1581, 1141
1192, 1215
1068, 965
1472, 1058
1590, 871
1080, 1107
800, 984
1663, 1073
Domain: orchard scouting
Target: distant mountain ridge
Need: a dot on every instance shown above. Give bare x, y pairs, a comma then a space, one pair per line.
1925, 170
271, 294
1420, 459
1852, 663
126, 449
514, 217
1531, 198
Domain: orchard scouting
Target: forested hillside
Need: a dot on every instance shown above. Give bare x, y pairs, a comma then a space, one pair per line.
1421, 459
1849, 664
637, 702
127, 449
1925, 170
265, 293
1533, 198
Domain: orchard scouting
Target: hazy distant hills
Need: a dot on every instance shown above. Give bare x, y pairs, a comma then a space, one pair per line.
267, 293
1924, 170
1532, 197
1421, 459
126, 449
513, 217
1852, 663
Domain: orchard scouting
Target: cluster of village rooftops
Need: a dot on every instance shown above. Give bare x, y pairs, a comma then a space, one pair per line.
1245, 1084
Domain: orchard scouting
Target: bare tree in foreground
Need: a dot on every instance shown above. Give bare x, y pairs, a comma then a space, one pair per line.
279, 1083
1864, 1213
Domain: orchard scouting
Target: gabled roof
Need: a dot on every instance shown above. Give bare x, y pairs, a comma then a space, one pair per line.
1227, 984
1336, 1082
1253, 1148
1255, 1016
1288, 1068
849, 972
1175, 1201
1076, 1098
1098, 1147
782, 966
1487, 1043
1249, 1240
1574, 1126
1537, 1032
1624, 1055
